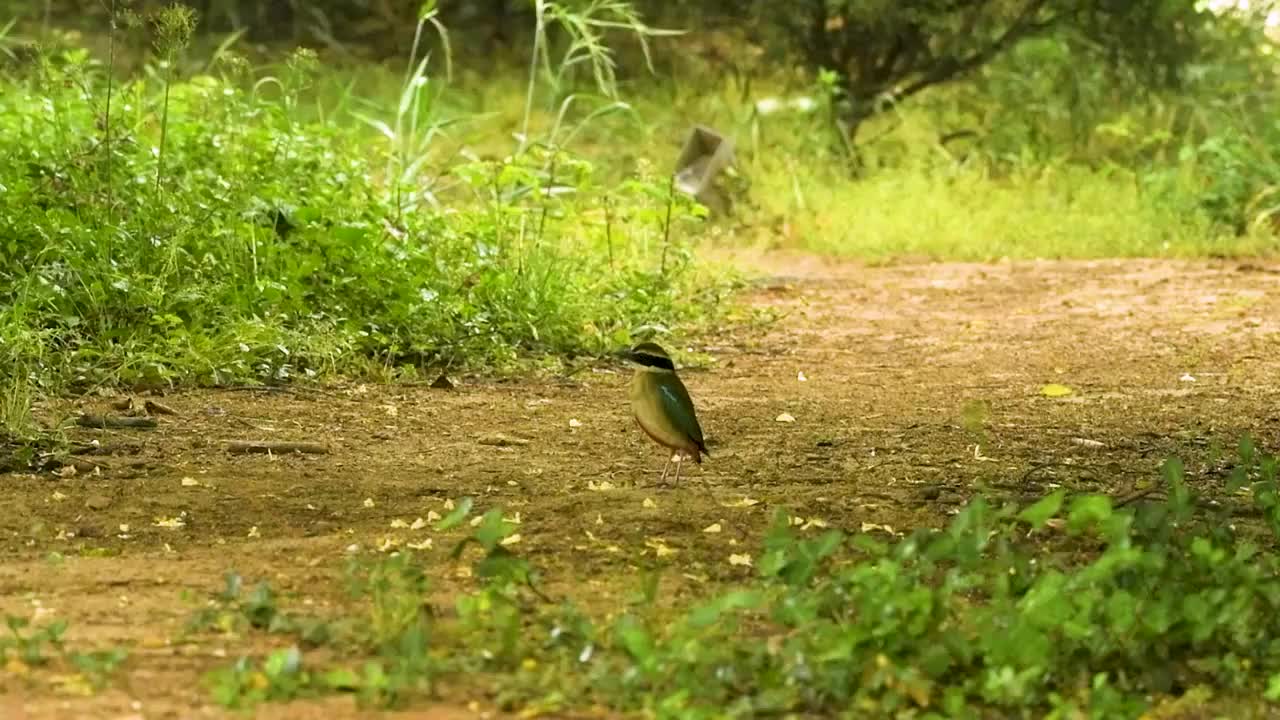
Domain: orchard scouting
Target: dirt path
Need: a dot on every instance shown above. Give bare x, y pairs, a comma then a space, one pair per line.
921, 384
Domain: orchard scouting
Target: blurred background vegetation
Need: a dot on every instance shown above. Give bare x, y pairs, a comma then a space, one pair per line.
229, 190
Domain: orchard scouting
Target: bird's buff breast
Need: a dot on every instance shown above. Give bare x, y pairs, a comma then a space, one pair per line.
646, 404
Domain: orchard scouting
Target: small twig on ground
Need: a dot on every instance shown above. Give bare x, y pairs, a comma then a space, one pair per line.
284, 447
156, 408
107, 449
109, 422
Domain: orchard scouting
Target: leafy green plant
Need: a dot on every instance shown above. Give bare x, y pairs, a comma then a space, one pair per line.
1063, 607
28, 647
236, 610
276, 251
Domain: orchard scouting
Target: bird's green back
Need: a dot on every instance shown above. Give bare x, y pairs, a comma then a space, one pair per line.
664, 392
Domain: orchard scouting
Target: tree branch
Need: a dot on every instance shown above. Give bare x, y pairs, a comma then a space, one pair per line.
1025, 26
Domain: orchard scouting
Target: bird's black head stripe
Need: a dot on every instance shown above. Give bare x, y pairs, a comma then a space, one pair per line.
654, 361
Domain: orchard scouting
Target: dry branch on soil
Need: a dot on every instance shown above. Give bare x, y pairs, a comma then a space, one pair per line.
110, 422
245, 447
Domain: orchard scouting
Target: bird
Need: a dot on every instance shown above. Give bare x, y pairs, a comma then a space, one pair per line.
662, 406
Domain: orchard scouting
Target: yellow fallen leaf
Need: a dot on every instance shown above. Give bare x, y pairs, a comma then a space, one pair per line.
813, 523
432, 516
659, 547
511, 539
424, 545
418, 524
741, 559
712, 528
785, 418
190, 482
1054, 390
741, 503
575, 423
602, 486
368, 502
868, 527
398, 524
649, 503
448, 503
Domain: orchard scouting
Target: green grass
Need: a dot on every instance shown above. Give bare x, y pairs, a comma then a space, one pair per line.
228, 235
218, 223
1066, 608
206, 221
921, 202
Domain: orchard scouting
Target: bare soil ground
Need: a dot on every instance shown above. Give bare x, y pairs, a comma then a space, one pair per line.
881, 370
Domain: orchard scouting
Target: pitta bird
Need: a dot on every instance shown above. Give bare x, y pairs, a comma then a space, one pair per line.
662, 405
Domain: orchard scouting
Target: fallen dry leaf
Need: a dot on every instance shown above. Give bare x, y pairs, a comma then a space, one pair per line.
172, 523
1055, 390
659, 547
785, 418
868, 527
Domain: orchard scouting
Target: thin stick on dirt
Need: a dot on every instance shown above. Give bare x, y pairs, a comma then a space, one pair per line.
108, 422
107, 449
245, 447
156, 408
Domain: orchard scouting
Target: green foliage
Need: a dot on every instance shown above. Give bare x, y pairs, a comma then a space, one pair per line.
27, 647
885, 52
236, 611
217, 236
1095, 612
